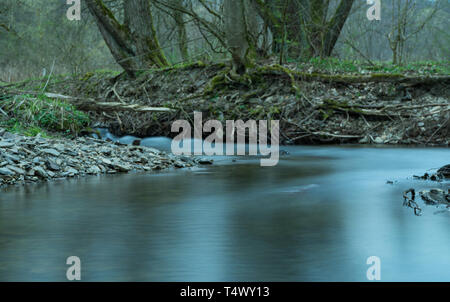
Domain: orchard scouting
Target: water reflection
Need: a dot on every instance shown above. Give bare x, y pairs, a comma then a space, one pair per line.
317, 216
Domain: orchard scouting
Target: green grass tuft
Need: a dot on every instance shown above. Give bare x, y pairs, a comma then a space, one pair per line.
30, 115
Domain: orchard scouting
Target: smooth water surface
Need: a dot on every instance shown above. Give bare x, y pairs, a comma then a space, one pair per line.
317, 216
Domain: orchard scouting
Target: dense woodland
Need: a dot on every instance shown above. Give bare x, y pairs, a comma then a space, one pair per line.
36, 37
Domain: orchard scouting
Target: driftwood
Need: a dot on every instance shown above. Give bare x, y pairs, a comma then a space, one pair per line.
89, 104
86, 104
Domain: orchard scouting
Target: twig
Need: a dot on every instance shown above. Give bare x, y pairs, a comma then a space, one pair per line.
49, 76
437, 130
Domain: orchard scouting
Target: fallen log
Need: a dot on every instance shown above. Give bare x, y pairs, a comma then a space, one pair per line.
94, 105
89, 104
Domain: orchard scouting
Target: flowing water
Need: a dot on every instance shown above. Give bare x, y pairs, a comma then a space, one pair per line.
317, 216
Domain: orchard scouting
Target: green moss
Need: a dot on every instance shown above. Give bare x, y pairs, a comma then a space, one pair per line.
334, 65
386, 75
215, 83
87, 76
278, 68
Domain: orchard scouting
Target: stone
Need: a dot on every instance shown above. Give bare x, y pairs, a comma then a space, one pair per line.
37, 160
17, 170
6, 172
204, 161
378, 140
51, 152
5, 144
71, 171
52, 165
444, 171
39, 171
71, 153
93, 170
179, 165
59, 147
122, 167
364, 140
105, 151
105, 161
11, 158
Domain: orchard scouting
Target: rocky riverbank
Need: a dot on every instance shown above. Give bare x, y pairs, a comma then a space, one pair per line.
32, 159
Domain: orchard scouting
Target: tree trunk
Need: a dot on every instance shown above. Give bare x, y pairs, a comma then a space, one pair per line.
335, 26
181, 30
236, 34
308, 31
134, 44
116, 37
143, 33
315, 27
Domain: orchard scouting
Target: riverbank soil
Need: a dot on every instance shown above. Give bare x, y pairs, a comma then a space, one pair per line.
313, 106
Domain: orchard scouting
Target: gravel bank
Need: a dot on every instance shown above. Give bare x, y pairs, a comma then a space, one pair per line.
33, 159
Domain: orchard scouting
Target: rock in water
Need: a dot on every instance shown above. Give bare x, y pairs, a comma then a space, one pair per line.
444, 171
435, 196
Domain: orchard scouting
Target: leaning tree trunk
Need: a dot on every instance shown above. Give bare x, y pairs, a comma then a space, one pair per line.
236, 34
116, 37
335, 26
133, 45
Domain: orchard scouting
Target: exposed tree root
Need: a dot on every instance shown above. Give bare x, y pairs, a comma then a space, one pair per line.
277, 70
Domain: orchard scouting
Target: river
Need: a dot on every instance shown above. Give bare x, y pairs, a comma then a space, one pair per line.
317, 216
